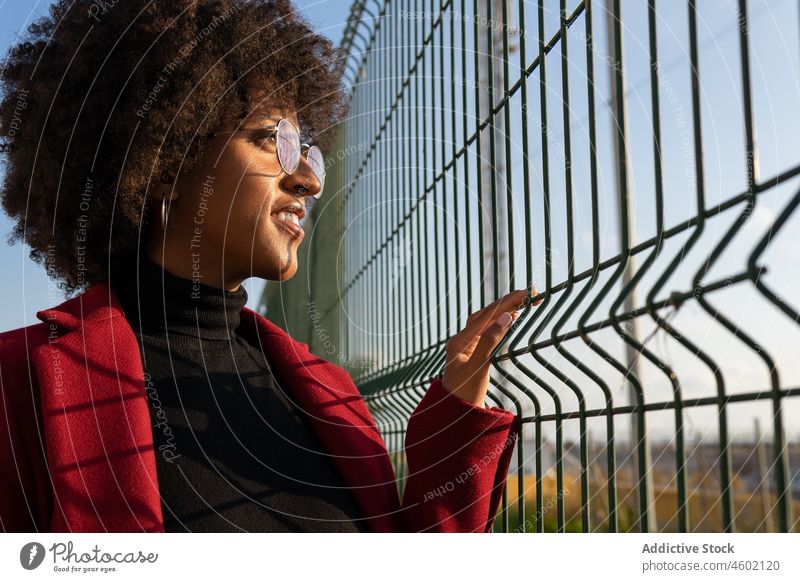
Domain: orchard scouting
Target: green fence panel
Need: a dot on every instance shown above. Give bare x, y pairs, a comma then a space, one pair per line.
609, 154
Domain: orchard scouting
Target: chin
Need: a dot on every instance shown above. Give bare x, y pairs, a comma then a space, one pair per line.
287, 274
274, 272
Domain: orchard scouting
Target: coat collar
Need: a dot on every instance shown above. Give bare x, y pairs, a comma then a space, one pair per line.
97, 421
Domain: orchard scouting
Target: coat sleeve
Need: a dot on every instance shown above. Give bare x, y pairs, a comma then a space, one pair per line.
458, 456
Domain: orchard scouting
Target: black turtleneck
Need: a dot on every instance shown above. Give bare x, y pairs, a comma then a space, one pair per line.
233, 453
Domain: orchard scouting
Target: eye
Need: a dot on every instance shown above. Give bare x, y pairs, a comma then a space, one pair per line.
265, 137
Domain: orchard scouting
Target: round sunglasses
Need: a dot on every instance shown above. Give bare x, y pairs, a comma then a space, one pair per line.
289, 149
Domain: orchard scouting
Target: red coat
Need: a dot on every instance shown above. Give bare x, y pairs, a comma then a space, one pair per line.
76, 444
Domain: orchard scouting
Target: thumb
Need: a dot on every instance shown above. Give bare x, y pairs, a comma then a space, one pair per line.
491, 337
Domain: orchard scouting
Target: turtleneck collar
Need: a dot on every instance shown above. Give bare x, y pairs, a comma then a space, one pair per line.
156, 299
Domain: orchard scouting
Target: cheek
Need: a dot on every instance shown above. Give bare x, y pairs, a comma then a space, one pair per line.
255, 221
245, 211
243, 197
249, 215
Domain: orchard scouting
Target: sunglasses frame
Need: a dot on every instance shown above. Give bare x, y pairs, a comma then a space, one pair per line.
305, 149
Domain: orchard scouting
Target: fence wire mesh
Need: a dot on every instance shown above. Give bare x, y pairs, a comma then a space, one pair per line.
638, 164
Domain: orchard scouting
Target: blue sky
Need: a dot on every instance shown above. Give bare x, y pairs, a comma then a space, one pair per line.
25, 288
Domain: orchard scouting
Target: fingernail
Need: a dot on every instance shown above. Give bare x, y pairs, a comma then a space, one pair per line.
505, 319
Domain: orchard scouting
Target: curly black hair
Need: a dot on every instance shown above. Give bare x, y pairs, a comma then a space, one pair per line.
102, 100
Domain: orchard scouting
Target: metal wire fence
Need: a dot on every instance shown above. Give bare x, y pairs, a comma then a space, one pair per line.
610, 155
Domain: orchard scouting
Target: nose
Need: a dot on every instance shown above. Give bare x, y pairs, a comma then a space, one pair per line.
303, 182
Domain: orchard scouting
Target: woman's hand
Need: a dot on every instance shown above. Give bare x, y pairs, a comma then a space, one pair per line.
468, 353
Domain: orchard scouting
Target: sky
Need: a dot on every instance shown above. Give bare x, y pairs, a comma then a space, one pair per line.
25, 288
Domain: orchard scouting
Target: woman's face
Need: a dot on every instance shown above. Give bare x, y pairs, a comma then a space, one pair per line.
225, 226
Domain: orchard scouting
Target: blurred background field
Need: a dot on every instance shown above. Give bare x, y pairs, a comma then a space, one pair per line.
754, 499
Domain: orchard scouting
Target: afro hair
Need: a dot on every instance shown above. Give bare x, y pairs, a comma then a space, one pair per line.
102, 100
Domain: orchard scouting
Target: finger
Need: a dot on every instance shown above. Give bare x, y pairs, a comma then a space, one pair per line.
481, 357
460, 349
509, 302
536, 298
465, 340
478, 321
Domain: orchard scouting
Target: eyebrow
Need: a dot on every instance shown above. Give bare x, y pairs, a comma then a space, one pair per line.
265, 117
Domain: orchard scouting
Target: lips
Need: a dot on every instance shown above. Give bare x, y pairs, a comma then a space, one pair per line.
290, 222
293, 207
288, 217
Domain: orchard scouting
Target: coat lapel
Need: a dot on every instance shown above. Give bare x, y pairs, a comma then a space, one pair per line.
99, 435
96, 419
338, 415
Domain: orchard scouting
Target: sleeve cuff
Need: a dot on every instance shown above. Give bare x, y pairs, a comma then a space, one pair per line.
458, 457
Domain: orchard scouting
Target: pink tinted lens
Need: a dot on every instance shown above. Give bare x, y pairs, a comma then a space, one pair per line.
317, 164
288, 146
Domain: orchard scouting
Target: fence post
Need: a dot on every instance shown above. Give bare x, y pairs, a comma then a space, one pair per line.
763, 480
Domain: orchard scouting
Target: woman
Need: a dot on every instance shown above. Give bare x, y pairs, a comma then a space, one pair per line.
155, 164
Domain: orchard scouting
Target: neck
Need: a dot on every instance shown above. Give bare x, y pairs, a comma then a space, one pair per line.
207, 270
155, 299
